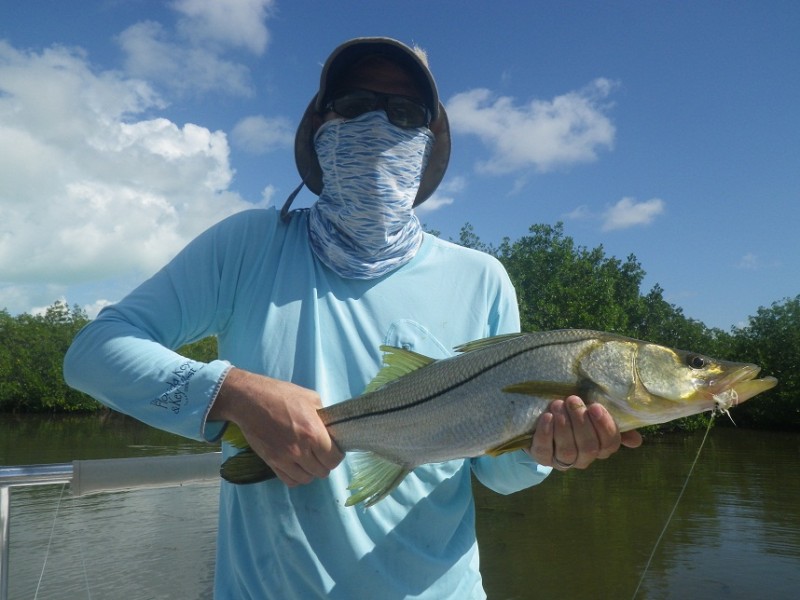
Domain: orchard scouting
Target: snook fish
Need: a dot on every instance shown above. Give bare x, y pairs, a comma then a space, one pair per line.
486, 400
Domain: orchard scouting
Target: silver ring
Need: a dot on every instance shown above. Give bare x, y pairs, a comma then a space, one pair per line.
562, 465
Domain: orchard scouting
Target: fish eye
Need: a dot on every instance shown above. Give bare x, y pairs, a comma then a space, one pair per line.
696, 361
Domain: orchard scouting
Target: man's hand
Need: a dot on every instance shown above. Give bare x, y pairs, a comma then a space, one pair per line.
280, 422
571, 434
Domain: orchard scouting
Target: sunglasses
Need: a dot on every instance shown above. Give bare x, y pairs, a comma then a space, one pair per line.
401, 110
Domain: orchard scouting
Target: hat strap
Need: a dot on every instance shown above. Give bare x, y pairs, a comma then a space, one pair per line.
285, 214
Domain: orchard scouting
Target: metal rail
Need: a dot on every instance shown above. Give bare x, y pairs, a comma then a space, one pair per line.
94, 476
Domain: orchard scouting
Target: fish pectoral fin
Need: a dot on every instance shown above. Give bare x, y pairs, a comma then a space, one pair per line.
246, 467
396, 363
521, 442
547, 389
486, 342
374, 477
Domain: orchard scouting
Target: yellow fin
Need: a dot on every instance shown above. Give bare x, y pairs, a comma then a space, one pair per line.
374, 477
521, 442
548, 389
486, 342
396, 363
234, 436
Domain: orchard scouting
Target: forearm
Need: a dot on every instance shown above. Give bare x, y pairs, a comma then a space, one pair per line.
124, 368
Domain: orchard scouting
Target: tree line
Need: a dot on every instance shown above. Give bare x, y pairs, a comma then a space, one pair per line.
559, 285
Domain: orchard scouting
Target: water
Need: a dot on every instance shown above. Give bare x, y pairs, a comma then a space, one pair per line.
579, 535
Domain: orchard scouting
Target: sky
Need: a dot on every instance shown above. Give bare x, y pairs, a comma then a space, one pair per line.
665, 130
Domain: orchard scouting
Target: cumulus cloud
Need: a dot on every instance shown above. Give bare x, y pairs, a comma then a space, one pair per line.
542, 134
258, 134
629, 213
443, 196
89, 188
193, 58
230, 22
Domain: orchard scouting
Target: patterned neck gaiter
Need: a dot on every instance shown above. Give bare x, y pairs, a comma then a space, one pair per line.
363, 225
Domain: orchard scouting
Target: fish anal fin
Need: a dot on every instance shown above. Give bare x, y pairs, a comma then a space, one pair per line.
374, 477
547, 389
234, 436
246, 467
397, 362
487, 342
521, 442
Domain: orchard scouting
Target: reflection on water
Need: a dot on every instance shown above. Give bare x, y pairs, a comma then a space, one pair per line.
588, 535
148, 544
142, 545
579, 535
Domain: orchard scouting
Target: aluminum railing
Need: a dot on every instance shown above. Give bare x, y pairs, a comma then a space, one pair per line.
96, 476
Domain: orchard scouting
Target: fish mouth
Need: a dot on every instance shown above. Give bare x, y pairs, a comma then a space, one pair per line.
740, 386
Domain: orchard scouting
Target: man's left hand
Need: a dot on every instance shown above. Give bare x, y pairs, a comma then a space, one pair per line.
570, 434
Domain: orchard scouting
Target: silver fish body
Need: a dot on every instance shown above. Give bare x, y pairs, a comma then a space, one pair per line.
486, 399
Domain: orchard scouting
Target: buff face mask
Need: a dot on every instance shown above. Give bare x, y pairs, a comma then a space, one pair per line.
363, 225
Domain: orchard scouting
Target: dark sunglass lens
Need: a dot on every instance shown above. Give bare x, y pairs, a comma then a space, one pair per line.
352, 104
406, 113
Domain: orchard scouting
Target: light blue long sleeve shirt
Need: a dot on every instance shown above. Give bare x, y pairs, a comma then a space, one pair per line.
254, 282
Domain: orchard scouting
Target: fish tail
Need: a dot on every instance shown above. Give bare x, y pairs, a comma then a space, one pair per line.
246, 467
374, 477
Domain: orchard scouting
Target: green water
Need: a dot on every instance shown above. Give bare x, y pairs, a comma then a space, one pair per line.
580, 535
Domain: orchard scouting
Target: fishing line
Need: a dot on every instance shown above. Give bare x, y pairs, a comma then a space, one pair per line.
83, 564
49, 541
674, 508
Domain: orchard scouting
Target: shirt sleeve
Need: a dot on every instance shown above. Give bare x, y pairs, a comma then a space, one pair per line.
126, 357
513, 471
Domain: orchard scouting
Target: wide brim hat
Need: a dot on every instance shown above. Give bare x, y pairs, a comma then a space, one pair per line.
337, 64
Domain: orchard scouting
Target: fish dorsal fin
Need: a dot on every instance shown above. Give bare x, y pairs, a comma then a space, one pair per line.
520, 442
396, 363
547, 389
486, 342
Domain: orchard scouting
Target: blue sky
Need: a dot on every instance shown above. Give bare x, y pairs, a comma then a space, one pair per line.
666, 130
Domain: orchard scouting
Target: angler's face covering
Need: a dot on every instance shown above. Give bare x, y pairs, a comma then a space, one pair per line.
363, 224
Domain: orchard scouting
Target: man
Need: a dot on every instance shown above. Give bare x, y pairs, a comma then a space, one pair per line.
300, 302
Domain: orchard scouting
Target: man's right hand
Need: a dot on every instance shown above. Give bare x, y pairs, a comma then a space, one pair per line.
280, 422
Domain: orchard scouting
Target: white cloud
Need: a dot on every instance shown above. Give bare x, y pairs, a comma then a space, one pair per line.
443, 196
257, 134
230, 22
749, 262
151, 53
193, 58
542, 134
581, 213
87, 191
753, 262
630, 213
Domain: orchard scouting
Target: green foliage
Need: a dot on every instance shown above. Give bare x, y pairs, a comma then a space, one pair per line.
204, 350
562, 285
772, 340
32, 349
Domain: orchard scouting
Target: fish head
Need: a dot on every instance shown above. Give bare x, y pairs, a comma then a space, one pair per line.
664, 384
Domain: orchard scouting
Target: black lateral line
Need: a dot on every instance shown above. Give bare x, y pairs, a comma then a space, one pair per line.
377, 413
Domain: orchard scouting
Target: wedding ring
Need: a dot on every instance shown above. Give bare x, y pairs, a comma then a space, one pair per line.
562, 465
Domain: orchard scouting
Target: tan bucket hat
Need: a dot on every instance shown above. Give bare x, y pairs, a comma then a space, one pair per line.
337, 63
